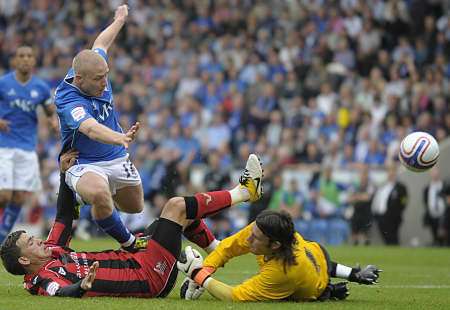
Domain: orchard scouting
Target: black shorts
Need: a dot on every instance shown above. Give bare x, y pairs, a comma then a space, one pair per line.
168, 234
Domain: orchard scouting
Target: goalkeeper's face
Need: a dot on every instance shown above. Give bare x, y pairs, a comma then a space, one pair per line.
32, 250
259, 243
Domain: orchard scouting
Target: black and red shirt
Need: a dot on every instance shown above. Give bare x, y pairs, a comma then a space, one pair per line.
120, 273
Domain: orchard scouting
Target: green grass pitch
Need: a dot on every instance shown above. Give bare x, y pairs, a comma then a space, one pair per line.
413, 278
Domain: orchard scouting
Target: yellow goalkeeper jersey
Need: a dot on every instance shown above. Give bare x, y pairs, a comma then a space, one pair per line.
301, 282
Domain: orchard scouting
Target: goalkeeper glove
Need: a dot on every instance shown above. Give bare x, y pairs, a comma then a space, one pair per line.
368, 275
190, 259
190, 290
190, 263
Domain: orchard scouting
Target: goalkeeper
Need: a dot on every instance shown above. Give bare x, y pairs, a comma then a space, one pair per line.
290, 268
51, 268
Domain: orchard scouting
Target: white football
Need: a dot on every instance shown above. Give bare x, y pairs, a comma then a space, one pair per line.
419, 151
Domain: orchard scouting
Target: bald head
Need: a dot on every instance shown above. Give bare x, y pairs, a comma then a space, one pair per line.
91, 72
89, 62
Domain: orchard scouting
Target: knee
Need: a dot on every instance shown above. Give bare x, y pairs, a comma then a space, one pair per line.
101, 198
136, 207
19, 198
5, 198
176, 207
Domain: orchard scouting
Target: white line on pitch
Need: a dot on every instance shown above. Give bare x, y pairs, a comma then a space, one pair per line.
414, 286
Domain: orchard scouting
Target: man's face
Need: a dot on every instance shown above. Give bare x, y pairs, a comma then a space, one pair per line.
93, 81
32, 249
258, 242
24, 60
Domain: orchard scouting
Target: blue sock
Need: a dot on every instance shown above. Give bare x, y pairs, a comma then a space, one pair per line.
10, 216
114, 227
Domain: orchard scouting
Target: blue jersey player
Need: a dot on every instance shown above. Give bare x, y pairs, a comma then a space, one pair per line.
20, 95
103, 176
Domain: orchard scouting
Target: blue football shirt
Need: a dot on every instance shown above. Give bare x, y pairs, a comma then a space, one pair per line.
18, 103
74, 107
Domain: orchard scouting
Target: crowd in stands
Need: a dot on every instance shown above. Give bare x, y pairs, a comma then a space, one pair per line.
309, 85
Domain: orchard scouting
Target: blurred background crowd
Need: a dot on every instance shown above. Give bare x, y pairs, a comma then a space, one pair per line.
317, 88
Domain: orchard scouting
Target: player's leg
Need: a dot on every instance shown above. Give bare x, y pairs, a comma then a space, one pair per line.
6, 176
6, 186
126, 185
5, 197
22, 170
196, 231
10, 213
184, 209
91, 184
130, 199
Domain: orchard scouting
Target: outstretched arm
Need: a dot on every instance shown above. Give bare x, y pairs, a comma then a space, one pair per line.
98, 132
233, 246
48, 283
107, 36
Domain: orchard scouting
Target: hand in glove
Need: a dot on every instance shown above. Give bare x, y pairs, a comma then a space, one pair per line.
190, 290
368, 275
190, 260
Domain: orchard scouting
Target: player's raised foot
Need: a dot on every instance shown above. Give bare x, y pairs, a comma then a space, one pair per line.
140, 243
251, 178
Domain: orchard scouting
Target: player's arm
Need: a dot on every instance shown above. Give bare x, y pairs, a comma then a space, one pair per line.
107, 36
50, 285
77, 117
98, 132
267, 285
219, 289
52, 119
228, 248
4, 123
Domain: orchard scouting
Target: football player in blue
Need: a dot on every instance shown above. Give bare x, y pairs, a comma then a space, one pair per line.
103, 175
21, 93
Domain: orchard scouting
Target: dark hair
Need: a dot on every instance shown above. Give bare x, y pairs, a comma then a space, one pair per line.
10, 253
23, 46
278, 226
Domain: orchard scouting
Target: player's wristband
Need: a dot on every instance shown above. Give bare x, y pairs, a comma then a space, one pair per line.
200, 275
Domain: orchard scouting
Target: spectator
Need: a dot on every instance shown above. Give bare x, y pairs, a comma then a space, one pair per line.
434, 206
388, 205
361, 198
444, 225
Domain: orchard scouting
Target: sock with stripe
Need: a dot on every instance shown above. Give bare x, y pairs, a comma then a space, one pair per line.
202, 205
199, 233
114, 227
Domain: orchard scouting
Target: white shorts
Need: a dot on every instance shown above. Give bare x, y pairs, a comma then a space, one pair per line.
19, 170
119, 173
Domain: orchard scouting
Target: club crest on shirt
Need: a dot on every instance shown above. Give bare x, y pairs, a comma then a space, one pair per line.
34, 93
160, 267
